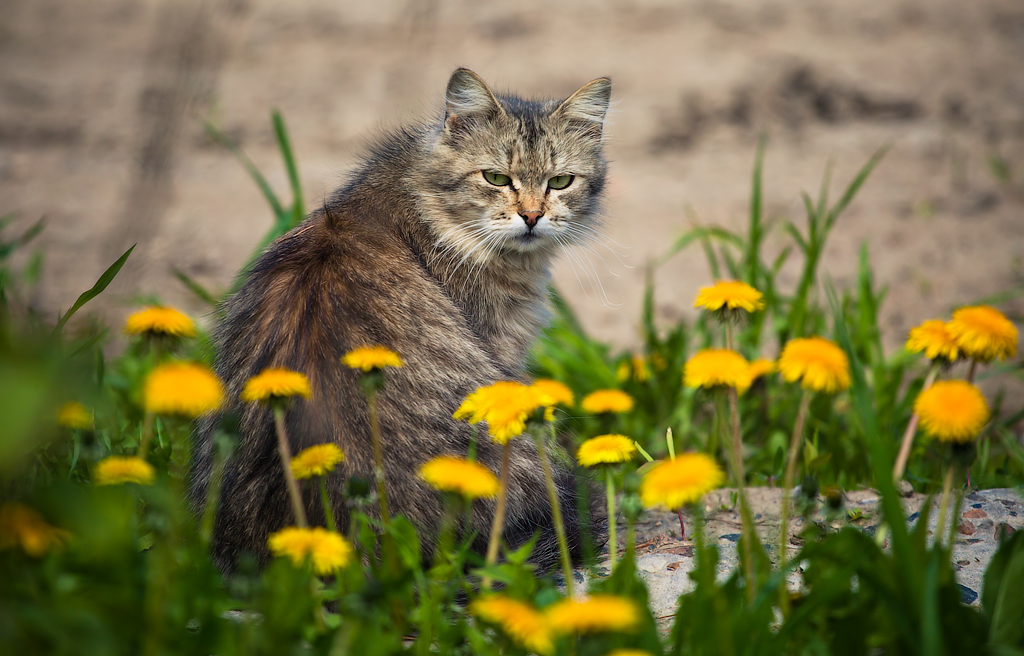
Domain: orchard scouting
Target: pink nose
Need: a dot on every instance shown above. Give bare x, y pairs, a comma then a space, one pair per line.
531, 217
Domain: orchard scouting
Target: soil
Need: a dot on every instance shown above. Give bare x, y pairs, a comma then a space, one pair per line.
103, 105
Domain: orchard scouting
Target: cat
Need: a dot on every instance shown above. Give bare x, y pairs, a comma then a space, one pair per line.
437, 248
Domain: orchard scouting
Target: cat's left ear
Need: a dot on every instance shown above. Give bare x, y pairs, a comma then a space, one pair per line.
589, 104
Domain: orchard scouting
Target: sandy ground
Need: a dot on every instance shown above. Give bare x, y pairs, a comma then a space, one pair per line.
102, 106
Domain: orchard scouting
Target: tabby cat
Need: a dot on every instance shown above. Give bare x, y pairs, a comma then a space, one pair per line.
438, 248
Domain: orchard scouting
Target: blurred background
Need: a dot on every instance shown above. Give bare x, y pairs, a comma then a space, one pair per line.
103, 105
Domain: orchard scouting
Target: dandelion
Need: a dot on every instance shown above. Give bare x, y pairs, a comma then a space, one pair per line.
675, 483
817, 363
182, 388
369, 358
470, 480
316, 460
635, 367
522, 623
730, 295
711, 368
984, 333
117, 470
936, 339
553, 392
607, 400
596, 613
75, 416
605, 449
952, 411
504, 405
156, 320
328, 551
21, 526
275, 384
760, 368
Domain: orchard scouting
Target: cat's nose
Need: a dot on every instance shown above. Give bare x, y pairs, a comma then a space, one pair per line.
531, 217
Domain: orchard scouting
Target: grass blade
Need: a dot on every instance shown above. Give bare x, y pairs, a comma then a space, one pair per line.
96, 289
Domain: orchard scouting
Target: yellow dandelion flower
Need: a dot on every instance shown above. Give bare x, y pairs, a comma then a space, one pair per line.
117, 470
327, 550
730, 294
554, 392
717, 368
817, 363
369, 358
21, 526
519, 621
623, 372
934, 338
182, 388
275, 384
760, 368
984, 333
952, 411
160, 321
471, 480
675, 483
635, 367
607, 400
605, 449
596, 613
316, 460
75, 416
505, 406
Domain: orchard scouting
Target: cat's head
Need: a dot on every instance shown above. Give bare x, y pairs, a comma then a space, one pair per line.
510, 176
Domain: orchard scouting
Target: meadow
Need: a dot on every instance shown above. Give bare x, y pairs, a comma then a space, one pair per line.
769, 386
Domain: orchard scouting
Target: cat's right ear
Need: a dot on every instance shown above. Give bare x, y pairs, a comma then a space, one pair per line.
467, 99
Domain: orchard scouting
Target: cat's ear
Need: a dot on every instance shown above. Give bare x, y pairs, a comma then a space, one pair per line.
468, 97
589, 105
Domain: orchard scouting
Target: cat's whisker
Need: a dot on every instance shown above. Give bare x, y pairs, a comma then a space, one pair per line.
592, 275
584, 244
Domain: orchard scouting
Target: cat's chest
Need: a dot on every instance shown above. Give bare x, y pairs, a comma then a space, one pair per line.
508, 315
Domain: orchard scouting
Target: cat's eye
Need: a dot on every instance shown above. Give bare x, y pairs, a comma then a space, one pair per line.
498, 179
560, 181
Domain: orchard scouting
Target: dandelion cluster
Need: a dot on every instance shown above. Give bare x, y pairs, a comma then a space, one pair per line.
607, 400
369, 358
952, 411
316, 460
471, 480
731, 295
275, 384
717, 368
675, 483
596, 613
817, 363
984, 333
182, 388
526, 626
157, 320
327, 550
21, 526
75, 416
118, 470
605, 449
505, 406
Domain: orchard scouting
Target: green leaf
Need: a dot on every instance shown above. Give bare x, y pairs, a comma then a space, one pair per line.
196, 288
1002, 596
96, 290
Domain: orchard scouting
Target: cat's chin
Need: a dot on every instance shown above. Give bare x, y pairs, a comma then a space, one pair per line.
529, 242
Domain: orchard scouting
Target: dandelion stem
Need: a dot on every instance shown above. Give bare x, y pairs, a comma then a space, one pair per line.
147, 434
747, 521
947, 485
790, 475
972, 370
908, 436
499, 515
610, 493
378, 457
682, 526
286, 463
328, 508
212, 493
556, 511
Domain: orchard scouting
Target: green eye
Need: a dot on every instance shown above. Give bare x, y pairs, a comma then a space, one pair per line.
498, 179
560, 181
